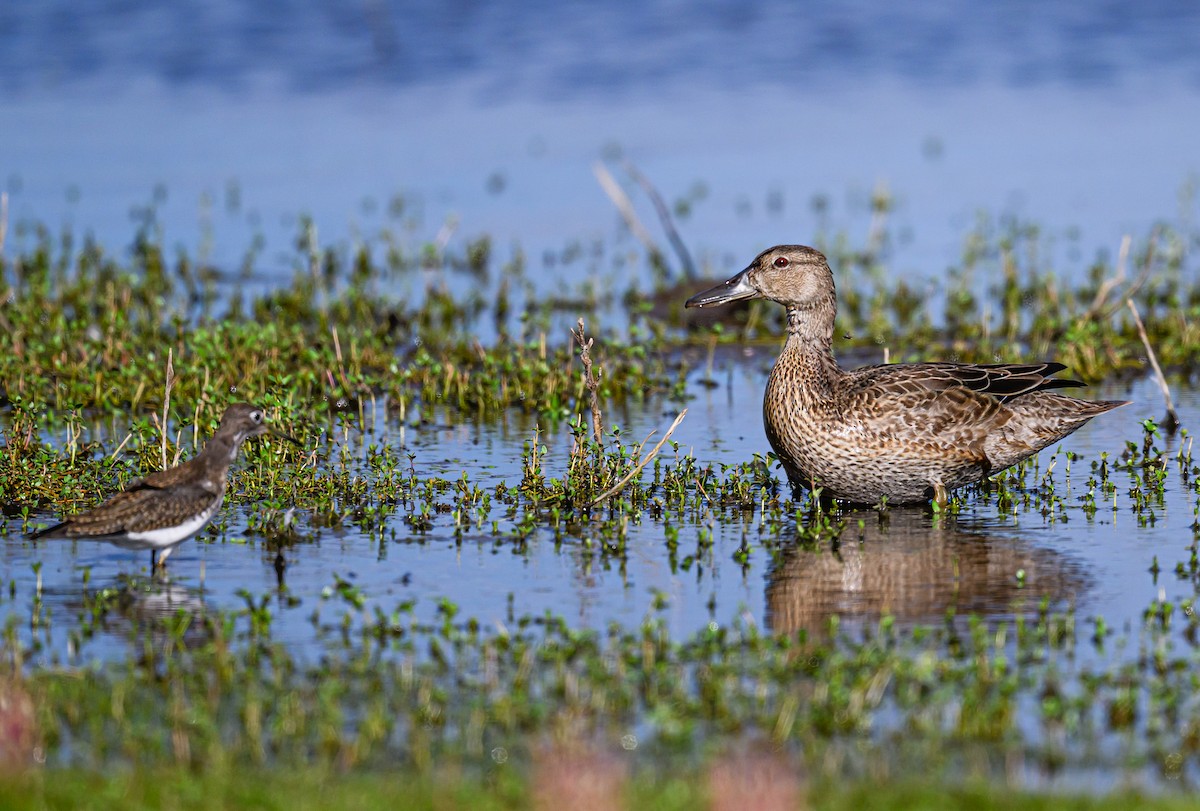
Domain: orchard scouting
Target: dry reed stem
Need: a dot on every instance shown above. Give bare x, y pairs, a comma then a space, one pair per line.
341, 364
616, 488
167, 402
196, 422
121, 447
1172, 420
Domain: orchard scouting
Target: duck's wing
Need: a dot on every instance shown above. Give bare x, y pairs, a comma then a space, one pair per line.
939, 405
1001, 381
135, 510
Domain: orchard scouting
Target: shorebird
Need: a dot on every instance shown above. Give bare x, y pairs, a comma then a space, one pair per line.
166, 508
903, 432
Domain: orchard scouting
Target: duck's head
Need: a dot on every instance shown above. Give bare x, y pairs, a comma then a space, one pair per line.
796, 276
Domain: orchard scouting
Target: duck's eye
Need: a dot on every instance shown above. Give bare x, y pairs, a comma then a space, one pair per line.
256, 416
781, 261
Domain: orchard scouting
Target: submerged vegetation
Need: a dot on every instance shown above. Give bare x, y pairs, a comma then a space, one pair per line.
111, 366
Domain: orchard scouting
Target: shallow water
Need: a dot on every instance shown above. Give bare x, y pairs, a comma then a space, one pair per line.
909, 564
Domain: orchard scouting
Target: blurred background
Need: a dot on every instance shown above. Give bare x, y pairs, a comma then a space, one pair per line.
232, 120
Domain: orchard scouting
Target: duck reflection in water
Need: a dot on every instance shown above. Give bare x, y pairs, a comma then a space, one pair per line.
916, 567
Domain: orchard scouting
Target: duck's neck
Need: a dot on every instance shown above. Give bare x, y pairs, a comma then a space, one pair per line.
809, 347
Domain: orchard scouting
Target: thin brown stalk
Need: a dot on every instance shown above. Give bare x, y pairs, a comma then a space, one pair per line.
196, 420
167, 402
616, 488
1172, 419
178, 448
341, 364
121, 447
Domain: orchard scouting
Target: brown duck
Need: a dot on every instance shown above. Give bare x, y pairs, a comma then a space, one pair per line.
903, 432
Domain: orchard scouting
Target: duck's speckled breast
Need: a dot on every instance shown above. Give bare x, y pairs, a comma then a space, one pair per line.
823, 442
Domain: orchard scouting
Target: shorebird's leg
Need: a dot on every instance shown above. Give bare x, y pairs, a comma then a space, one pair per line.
280, 569
153, 559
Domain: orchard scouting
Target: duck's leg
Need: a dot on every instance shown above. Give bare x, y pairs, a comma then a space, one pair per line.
798, 489
940, 496
153, 560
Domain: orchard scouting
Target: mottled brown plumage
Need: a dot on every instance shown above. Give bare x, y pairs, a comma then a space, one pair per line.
903, 432
166, 508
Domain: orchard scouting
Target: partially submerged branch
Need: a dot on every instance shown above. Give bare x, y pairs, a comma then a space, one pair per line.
665, 218
625, 208
1172, 419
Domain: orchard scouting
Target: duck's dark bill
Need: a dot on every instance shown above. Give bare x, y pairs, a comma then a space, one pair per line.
734, 289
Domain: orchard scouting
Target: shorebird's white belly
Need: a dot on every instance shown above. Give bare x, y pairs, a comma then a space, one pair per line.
167, 536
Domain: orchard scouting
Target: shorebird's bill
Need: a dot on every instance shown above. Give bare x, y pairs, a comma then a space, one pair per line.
282, 435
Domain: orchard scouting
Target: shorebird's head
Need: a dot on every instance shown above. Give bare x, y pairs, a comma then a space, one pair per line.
242, 421
796, 276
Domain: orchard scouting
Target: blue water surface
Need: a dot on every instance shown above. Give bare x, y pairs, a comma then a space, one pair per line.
234, 119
